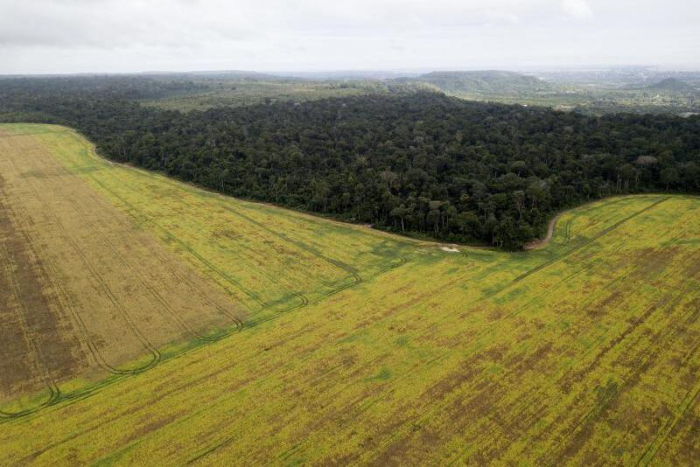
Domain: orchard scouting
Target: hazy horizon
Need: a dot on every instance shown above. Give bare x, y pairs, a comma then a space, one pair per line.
360, 72
109, 36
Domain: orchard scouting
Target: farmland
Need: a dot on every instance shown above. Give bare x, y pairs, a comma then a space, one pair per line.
145, 321
241, 91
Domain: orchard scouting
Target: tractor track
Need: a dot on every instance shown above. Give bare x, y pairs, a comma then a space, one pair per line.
220, 202
37, 351
303, 300
588, 241
515, 281
91, 344
221, 274
143, 281
299, 244
117, 374
171, 315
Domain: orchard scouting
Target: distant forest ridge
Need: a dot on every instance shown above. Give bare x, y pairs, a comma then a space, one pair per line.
419, 163
482, 82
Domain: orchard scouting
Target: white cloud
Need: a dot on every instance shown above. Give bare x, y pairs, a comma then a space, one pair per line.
577, 8
47, 36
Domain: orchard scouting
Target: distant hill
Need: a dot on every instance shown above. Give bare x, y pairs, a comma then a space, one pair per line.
671, 84
484, 82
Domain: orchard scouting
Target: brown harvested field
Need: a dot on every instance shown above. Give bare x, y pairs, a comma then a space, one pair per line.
28, 359
84, 289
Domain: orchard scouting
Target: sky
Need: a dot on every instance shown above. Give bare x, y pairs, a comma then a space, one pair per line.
117, 36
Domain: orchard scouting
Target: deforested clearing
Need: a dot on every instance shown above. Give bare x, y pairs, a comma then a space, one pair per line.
148, 322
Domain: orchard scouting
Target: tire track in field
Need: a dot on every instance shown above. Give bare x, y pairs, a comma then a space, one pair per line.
65, 299
217, 198
515, 281
170, 390
588, 241
688, 402
172, 314
365, 406
628, 331
179, 186
608, 398
105, 242
406, 429
270, 305
562, 376
400, 263
665, 335
299, 244
574, 213
229, 439
101, 362
92, 347
667, 428
168, 235
221, 401
303, 300
108, 292
115, 302
356, 278
456, 395
691, 401
603, 404
526, 307
222, 274
147, 345
67, 303
37, 352
182, 277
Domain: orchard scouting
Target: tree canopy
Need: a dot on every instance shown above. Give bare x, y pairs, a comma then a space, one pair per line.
419, 163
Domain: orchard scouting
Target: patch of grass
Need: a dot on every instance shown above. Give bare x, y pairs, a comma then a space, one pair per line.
242, 92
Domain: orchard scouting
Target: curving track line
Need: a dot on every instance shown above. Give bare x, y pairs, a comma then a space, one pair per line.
588, 241
180, 323
67, 303
444, 355
37, 351
156, 356
223, 275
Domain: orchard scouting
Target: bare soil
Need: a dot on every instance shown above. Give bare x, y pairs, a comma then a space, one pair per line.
35, 344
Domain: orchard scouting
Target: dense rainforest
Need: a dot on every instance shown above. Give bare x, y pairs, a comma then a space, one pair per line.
415, 162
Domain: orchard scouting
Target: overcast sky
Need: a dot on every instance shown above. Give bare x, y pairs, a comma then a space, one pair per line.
68, 36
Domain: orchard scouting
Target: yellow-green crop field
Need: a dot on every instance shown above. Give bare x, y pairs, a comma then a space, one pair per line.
147, 322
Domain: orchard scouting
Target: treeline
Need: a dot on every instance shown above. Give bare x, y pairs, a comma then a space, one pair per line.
421, 163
